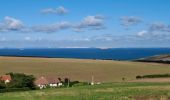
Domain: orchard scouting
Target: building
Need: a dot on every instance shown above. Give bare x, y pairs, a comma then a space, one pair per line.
53, 82
41, 82
44, 82
6, 78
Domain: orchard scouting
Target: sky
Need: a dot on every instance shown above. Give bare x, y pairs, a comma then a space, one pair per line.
84, 23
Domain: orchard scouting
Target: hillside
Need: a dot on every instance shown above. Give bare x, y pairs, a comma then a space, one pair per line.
158, 58
79, 69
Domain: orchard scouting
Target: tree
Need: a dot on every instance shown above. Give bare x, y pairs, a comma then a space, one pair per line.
67, 82
20, 80
60, 80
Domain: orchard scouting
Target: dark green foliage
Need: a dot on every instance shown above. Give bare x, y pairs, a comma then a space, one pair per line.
153, 76
67, 82
20, 80
73, 83
2, 85
123, 79
156, 76
139, 77
60, 80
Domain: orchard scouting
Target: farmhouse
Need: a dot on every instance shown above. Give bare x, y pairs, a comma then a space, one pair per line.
44, 82
6, 78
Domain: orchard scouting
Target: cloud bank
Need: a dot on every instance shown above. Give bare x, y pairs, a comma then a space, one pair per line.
58, 11
10, 24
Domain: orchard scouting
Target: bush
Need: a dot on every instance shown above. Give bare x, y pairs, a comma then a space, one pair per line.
156, 76
20, 80
73, 83
123, 79
153, 76
139, 77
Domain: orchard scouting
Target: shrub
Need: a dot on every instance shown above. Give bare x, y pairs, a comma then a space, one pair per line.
139, 77
156, 76
20, 80
123, 79
73, 83
67, 82
153, 76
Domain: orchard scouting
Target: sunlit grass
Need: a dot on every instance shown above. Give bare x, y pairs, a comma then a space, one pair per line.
114, 91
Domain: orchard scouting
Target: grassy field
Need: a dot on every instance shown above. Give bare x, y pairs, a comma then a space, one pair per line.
82, 70
112, 91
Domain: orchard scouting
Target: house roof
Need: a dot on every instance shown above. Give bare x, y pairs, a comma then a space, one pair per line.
42, 81
46, 80
5, 77
52, 80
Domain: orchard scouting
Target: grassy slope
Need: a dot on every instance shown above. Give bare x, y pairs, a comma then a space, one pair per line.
76, 69
115, 91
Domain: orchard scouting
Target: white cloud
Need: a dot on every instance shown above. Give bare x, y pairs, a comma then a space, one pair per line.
156, 31
91, 22
142, 33
59, 11
130, 20
11, 24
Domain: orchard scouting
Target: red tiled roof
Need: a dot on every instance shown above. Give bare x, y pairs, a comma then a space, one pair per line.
41, 81
52, 80
5, 77
46, 80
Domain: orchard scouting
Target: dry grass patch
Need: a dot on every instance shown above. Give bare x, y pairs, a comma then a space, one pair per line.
82, 70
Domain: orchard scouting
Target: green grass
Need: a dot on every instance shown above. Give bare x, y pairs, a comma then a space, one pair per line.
81, 70
112, 91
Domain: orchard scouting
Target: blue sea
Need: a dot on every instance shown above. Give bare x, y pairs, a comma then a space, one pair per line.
88, 53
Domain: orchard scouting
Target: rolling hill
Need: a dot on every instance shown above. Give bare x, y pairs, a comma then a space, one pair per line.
81, 70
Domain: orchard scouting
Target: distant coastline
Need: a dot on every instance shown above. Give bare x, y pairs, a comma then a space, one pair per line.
158, 59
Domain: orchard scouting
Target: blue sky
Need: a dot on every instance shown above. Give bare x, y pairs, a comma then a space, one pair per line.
84, 23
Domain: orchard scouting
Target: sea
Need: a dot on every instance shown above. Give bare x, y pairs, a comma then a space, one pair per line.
87, 53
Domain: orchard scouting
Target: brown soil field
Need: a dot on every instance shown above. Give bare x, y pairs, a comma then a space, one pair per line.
81, 70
